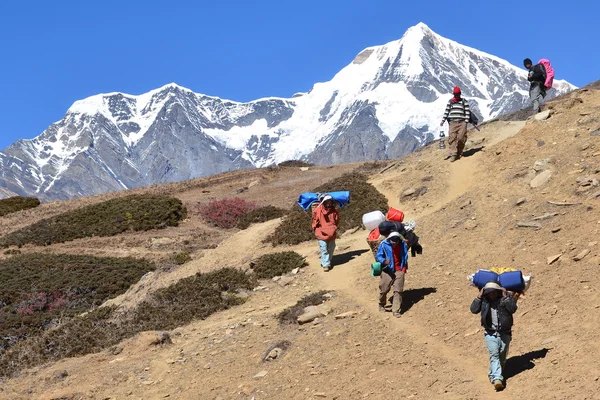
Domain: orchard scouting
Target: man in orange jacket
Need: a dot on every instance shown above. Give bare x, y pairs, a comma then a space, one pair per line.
325, 221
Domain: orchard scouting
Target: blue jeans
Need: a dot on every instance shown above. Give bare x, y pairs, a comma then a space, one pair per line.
497, 346
327, 249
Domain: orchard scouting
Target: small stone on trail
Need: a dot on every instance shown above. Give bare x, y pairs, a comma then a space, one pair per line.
346, 314
285, 280
542, 115
522, 200
554, 258
470, 225
540, 179
595, 133
581, 255
557, 229
295, 271
409, 192
274, 354
261, 374
525, 224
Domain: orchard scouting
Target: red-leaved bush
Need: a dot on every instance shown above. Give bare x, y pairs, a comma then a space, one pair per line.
226, 212
42, 301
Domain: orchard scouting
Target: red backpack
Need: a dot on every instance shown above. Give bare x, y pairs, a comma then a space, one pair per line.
549, 72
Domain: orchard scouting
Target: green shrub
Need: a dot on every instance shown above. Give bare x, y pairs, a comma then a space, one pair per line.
196, 297
11, 252
276, 264
262, 214
181, 258
109, 218
296, 226
39, 288
17, 203
290, 315
295, 163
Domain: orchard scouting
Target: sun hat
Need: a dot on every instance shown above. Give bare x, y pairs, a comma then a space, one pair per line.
395, 235
491, 286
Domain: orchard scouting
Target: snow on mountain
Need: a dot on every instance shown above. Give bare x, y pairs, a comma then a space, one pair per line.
386, 103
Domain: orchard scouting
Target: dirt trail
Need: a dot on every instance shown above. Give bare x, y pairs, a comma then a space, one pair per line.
462, 174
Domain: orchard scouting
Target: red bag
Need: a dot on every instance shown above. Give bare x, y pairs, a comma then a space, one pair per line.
395, 215
374, 235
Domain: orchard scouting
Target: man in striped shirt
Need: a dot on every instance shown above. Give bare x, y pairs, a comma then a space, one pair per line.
458, 115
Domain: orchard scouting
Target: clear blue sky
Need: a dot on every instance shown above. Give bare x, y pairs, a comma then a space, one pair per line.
56, 52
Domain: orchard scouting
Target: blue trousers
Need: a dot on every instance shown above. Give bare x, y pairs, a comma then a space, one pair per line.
497, 346
327, 249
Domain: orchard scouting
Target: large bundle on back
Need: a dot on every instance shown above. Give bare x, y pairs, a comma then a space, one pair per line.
509, 278
311, 200
391, 222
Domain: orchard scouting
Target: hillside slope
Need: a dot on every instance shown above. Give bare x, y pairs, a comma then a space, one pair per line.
467, 219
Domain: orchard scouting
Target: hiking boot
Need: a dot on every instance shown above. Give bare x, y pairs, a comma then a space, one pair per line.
448, 156
396, 315
498, 385
453, 158
381, 308
326, 269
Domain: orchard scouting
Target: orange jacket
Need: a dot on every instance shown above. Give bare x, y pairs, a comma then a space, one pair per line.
325, 222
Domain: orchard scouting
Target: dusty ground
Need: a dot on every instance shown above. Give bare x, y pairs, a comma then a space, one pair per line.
467, 219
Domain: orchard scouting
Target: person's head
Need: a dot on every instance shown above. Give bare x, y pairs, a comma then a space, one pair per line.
328, 201
394, 238
456, 92
492, 290
527, 63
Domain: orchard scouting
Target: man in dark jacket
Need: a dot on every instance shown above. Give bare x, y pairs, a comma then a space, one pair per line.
497, 307
537, 77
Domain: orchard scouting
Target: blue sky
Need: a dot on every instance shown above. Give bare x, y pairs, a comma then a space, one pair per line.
56, 52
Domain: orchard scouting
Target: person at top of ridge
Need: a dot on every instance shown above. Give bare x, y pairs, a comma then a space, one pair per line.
458, 115
537, 77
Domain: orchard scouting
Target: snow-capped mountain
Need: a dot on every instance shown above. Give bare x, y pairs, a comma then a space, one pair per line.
385, 104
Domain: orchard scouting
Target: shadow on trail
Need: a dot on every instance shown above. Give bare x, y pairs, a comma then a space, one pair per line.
339, 259
473, 151
517, 364
411, 297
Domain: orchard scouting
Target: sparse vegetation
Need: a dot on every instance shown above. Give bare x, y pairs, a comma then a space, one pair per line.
261, 214
181, 258
196, 297
296, 226
290, 315
39, 289
135, 212
17, 203
276, 264
225, 213
295, 163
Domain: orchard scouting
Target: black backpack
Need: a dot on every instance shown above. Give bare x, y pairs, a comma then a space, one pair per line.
474, 118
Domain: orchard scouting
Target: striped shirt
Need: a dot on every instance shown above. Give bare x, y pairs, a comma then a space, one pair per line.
457, 111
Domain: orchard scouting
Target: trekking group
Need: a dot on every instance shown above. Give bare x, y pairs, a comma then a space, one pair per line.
495, 304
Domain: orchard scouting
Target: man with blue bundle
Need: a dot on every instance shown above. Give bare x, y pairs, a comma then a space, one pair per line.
497, 307
393, 256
